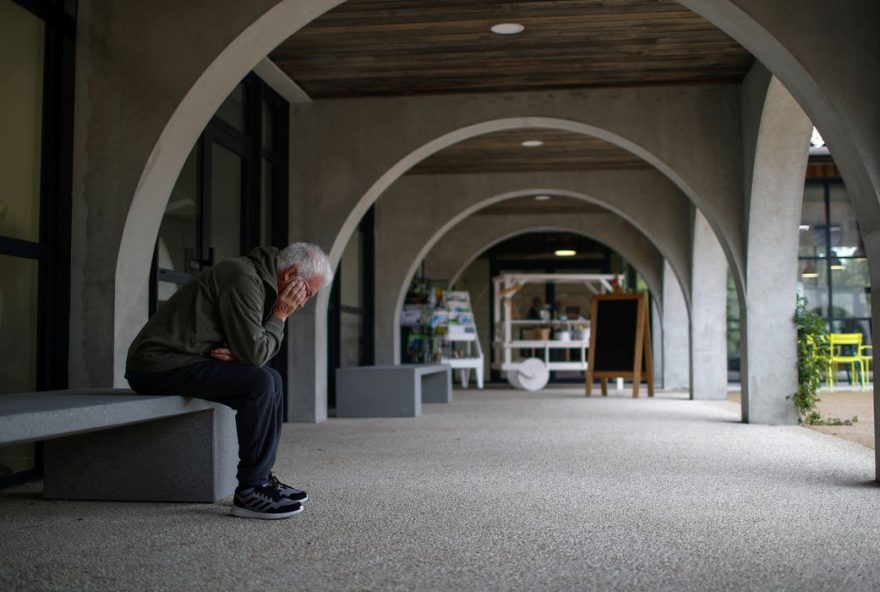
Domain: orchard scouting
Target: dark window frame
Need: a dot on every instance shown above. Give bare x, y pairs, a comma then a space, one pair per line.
52, 251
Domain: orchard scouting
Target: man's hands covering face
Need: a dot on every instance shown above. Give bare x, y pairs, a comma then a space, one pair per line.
292, 297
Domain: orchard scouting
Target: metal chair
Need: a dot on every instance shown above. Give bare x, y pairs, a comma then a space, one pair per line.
845, 348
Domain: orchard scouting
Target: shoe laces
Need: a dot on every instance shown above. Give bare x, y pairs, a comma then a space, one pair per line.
268, 490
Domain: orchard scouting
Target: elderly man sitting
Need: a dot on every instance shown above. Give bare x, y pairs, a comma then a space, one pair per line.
211, 339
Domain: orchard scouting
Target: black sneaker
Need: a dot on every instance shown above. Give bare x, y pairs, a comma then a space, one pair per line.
264, 502
291, 493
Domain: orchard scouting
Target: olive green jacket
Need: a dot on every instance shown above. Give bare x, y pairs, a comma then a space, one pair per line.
230, 303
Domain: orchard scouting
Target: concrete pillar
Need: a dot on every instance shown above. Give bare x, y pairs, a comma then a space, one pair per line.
307, 362
676, 333
776, 194
708, 314
872, 248
657, 344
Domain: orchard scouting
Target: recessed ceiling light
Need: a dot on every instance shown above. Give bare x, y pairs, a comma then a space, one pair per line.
804, 227
565, 253
532, 143
507, 28
542, 197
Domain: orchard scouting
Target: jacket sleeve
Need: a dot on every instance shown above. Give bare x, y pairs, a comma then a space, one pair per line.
241, 312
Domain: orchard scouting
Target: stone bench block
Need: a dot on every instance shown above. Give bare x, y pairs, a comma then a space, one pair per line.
391, 391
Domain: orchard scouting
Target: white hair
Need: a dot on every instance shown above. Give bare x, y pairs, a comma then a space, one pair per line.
309, 260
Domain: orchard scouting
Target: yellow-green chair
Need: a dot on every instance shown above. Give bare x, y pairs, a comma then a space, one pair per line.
866, 353
845, 348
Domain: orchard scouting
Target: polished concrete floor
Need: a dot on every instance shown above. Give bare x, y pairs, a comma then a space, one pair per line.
500, 490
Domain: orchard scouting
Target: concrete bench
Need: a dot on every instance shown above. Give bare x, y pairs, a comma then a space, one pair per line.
391, 391
113, 444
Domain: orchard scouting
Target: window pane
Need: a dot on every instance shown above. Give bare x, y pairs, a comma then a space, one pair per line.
351, 270
18, 324
850, 283
21, 121
266, 191
812, 232
268, 123
226, 175
177, 235
813, 284
232, 109
846, 239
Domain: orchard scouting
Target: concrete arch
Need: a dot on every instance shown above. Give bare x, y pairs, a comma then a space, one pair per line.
653, 277
398, 169
672, 318
172, 147
409, 248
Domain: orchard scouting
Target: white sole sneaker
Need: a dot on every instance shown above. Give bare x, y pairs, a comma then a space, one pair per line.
245, 513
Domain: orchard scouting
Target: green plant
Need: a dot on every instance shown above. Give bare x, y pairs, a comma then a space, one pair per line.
812, 361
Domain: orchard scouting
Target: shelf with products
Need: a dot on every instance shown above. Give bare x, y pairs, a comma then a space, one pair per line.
442, 330
459, 343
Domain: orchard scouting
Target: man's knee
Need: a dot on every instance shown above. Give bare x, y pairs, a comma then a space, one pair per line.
260, 384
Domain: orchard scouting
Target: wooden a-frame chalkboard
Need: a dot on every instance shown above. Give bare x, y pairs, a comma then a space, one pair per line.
620, 341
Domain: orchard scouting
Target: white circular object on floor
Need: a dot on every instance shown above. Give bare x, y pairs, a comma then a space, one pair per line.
532, 375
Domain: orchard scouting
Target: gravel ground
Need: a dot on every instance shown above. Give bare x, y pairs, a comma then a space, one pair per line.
499, 490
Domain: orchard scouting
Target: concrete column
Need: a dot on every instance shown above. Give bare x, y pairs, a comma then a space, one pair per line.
676, 333
872, 248
307, 363
777, 189
708, 314
657, 344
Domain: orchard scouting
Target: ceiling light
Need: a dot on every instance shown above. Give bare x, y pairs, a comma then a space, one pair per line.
533, 143
804, 227
565, 253
810, 270
507, 28
542, 197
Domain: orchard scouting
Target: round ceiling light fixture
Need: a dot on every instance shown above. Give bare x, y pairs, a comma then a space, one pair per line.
542, 197
565, 253
533, 143
507, 28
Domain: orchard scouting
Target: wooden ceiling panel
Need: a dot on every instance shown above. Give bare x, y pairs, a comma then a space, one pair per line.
404, 47
500, 152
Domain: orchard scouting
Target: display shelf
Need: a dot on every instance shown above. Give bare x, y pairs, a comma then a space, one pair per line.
459, 343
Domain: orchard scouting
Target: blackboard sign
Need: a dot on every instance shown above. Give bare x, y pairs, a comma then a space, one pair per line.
615, 335
620, 341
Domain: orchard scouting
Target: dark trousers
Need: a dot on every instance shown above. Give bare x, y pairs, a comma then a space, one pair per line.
255, 393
